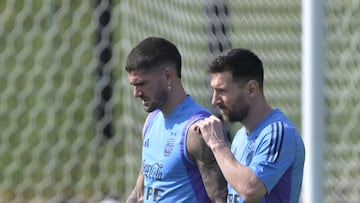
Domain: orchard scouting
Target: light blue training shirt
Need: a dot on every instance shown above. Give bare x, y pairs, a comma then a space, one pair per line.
275, 152
169, 174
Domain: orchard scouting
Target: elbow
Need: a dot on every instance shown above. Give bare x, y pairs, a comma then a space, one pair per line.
251, 196
250, 199
254, 194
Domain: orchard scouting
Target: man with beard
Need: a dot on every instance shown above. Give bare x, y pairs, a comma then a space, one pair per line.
266, 158
177, 165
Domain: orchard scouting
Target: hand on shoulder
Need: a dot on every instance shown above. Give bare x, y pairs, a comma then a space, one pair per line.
196, 147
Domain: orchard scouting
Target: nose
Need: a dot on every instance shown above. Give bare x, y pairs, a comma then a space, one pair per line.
137, 91
215, 99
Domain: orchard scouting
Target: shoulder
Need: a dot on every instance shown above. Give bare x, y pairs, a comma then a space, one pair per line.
282, 134
279, 122
148, 121
194, 137
196, 146
197, 149
279, 127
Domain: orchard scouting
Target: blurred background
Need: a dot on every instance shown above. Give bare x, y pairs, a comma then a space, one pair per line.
70, 127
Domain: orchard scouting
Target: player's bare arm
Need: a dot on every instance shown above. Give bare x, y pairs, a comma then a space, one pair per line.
240, 177
137, 195
201, 154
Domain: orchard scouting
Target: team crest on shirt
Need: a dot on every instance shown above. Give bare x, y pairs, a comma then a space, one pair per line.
250, 152
169, 147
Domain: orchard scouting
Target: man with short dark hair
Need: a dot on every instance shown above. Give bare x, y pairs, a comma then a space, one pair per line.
266, 159
177, 165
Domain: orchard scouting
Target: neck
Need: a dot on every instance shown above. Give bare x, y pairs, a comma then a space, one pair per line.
256, 114
176, 95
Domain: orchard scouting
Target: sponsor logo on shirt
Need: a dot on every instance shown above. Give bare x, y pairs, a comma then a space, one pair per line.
153, 170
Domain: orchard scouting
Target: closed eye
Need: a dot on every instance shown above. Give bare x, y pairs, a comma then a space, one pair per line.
138, 84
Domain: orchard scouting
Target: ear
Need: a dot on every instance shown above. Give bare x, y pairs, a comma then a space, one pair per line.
253, 87
169, 73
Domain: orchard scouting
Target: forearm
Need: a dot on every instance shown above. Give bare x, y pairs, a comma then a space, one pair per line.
215, 183
134, 197
213, 179
137, 195
240, 177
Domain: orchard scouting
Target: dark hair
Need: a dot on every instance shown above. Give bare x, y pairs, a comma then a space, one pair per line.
242, 63
153, 52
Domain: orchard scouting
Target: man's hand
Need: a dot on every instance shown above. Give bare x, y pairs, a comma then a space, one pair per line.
212, 131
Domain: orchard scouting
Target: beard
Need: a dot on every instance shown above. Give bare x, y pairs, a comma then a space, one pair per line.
234, 114
158, 101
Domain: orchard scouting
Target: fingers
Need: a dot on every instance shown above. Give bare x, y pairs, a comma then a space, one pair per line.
213, 118
206, 123
197, 129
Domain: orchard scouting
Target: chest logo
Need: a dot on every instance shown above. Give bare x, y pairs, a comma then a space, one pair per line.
169, 147
152, 170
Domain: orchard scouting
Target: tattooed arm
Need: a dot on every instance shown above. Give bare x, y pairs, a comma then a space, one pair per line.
213, 179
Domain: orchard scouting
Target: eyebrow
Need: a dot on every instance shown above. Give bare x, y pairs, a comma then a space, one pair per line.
136, 83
